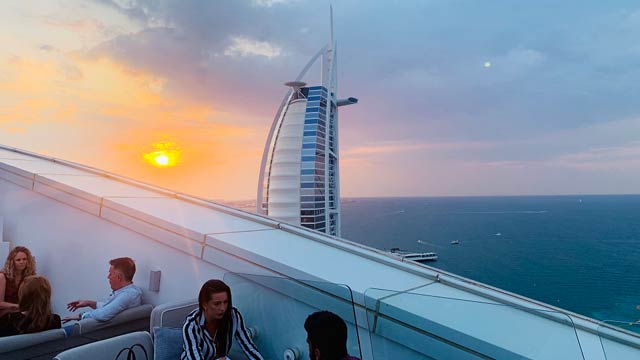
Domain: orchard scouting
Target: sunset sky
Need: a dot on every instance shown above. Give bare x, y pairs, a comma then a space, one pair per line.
457, 97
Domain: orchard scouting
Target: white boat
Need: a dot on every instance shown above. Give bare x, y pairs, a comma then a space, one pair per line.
455, 242
414, 256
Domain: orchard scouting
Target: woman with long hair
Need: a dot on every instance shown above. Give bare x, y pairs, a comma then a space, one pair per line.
209, 330
34, 309
19, 264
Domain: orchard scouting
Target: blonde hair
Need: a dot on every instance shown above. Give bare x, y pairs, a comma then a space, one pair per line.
35, 301
9, 268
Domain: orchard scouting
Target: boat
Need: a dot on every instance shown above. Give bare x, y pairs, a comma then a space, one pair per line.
455, 242
414, 256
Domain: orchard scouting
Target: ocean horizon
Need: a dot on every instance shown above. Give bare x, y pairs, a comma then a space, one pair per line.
576, 252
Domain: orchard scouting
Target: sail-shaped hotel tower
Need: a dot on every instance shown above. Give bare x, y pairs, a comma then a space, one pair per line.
299, 174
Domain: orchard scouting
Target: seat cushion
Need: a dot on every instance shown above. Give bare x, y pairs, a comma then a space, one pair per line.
167, 343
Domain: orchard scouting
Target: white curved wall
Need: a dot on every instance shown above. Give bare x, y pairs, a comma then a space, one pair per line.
284, 177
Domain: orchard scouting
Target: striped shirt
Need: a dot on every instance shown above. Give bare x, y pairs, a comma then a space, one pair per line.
197, 343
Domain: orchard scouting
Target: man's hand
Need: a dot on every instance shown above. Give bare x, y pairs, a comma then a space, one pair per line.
71, 318
75, 305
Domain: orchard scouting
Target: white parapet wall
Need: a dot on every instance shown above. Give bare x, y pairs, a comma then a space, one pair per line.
74, 219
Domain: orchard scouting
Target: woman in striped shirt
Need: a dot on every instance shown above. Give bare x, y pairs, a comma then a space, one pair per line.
208, 331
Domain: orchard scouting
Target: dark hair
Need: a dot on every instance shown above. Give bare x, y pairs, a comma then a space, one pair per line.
35, 300
225, 324
327, 332
125, 265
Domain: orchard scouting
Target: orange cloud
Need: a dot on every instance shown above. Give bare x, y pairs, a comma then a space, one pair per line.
110, 116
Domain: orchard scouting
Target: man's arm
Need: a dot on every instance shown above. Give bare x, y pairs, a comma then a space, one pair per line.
76, 304
120, 303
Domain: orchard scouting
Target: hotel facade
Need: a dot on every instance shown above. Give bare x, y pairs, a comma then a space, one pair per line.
299, 179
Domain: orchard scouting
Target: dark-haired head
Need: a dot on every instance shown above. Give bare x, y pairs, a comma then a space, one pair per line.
211, 287
214, 296
326, 335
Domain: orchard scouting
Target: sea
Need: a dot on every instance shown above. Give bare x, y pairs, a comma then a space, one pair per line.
580, 253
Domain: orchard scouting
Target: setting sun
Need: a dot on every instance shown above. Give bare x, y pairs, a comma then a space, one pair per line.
166, 154
161, 159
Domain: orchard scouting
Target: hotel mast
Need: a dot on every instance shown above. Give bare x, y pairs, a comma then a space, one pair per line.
299, 179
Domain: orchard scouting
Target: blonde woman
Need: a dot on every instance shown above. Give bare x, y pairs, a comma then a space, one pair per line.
19, 264
34, 309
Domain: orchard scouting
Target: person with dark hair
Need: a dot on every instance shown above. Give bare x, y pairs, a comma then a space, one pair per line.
125, 295
19, 264
327, 337
209, 330
34, 309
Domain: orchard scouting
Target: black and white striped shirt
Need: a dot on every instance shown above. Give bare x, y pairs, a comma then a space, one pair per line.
197, 343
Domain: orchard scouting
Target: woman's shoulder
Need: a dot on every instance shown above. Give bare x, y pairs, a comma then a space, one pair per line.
235, 311
193, 315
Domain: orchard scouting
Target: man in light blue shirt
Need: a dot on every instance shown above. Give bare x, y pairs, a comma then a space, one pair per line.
125, 295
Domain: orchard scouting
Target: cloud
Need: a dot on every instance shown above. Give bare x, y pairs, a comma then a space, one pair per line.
83, 26
623, 158
613, 146
135, 10
242, 46
270, 3
71, 72
392, 147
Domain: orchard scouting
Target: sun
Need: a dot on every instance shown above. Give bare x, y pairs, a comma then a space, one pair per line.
166, 154
161, 160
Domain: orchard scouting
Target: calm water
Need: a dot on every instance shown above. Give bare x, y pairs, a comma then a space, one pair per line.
581, 253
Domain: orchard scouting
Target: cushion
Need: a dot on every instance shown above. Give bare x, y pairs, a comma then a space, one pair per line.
167, 344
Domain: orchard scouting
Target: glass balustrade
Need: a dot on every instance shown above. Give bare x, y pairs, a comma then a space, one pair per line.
277, 308
619, 339
416, 325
